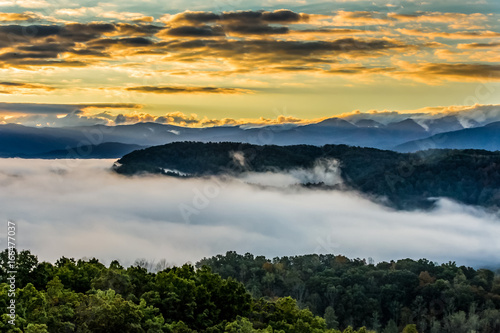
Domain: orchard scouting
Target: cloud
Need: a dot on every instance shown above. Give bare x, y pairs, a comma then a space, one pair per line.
195, 31
277, 41
123, 42
40, 108
232, 23
94, 43
478, 45
331, 31
57, 115
254, 55
253, 17
361, 18
23, 88
116, 113
187, 90
353, 70
79, 208
13, 17
193, 120
103, 11
44, 45
25, 3
453, 72
324, 171
134, 118
256, 30
126, 16
179, 118
466, 114
240, 23
205, 37
190, 17
75, 118
450, 35
34, 114
453, 20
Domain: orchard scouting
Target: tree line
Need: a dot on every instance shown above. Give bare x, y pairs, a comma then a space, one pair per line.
243, 293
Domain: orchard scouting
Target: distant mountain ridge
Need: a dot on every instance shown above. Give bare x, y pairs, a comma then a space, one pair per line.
103, 150
486, 137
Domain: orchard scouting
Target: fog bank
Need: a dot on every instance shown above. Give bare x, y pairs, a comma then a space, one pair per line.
79, 208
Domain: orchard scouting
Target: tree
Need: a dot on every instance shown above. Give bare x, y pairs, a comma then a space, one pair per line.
391, 327
412, 328
24, 262
36, 328
61, 307
106, 311
331, 318
240, 325
115, 279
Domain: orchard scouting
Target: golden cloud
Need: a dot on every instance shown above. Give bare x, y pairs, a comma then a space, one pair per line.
479, 46
12, 17
437, 17
436, 72
449, 35
193, 120
187, 90
23, 88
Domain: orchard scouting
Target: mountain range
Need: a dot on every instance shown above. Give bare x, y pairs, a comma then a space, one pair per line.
405, 135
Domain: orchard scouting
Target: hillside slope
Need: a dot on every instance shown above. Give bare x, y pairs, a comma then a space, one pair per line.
400, 180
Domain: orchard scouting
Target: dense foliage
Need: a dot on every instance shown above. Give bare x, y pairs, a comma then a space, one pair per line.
436, 298
86, 296
303, 294
404, 181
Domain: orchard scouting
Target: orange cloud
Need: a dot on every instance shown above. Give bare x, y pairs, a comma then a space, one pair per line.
479, 46
23, 88
192, 120
12, 17
360, 18
449, 35
187, 90
428, 72
438, 17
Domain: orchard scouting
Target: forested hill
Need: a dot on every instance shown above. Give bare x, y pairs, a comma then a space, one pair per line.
438, 298
247, 294
401, 180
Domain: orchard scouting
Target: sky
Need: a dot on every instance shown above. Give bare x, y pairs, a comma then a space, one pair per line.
81, 209
233, 59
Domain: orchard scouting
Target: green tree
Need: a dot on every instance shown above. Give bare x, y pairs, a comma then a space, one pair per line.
331, 318
240, 325
412, 328
62, 304
36, 328
106, 311
391, 327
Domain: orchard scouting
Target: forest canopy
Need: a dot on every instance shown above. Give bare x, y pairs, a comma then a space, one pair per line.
247, 293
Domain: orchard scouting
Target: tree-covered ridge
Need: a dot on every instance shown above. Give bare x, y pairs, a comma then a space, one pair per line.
351, 292
333, 295
403, 181
85, 296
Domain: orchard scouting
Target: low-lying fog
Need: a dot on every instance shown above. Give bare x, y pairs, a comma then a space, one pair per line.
79, 208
